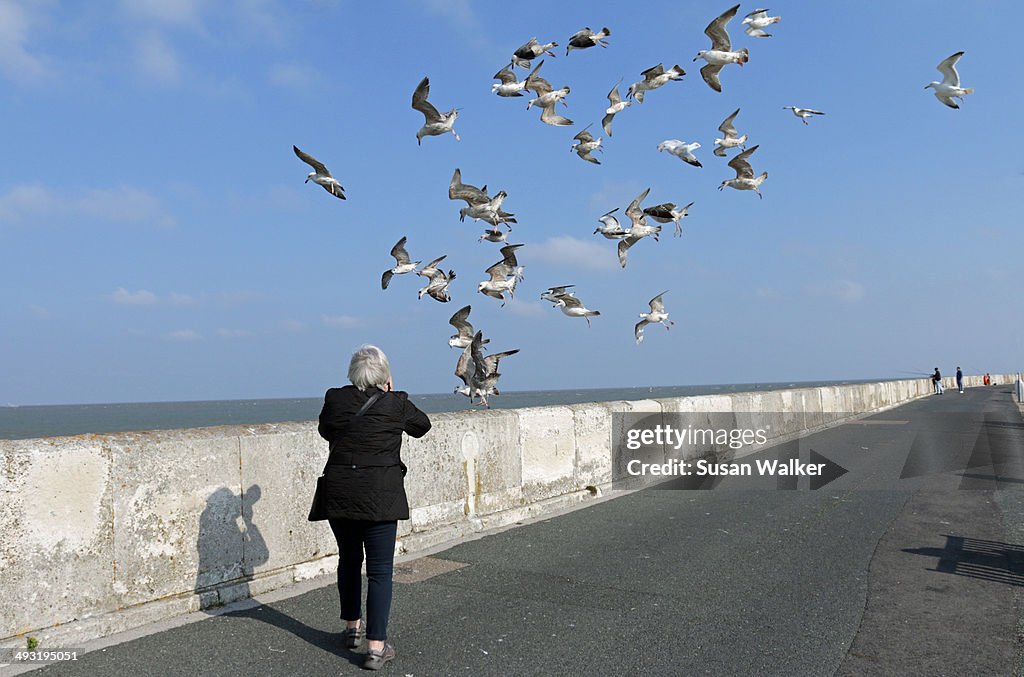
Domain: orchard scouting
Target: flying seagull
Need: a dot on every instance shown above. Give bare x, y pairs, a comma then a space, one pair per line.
573, 307
435, 123
682, 150
547, 97
457, 190
503, 275
803, 113
479, 206
757, 21
461, 323
615, 105
509, 85
493, 234
610, 226
656, 316
479, 373
584, 144
745, 179
437, 287
320, 174
721, 52
949, 89
638, 230
654, 77
731, 139
530, 51
554, 293
669, 213
586, 38
405, 264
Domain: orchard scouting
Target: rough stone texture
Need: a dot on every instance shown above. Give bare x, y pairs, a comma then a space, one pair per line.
100, 533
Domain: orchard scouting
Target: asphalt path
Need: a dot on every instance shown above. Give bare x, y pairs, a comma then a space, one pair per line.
912, 562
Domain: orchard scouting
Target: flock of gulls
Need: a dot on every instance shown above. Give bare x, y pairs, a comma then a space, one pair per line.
479, 372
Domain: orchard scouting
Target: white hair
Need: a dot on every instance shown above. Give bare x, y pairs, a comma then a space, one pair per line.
369, 367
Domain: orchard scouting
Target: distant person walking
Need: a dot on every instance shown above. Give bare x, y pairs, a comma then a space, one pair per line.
363, 493
959, 380
937, 380
988, 379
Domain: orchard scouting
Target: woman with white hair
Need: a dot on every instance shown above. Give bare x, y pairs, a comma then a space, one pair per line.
363, 491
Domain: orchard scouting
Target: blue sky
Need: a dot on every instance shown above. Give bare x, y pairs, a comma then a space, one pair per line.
157, 241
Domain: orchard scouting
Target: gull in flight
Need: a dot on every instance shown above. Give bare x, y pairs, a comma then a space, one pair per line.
503, 275
320, 174
546, 98
437, 286
479, 206
584, 144
721, 52
405, 264
509, 85
479, 373
757, 21
530, 51
803, 113
654, 77
610, 226
656, 316
568, 303
745, 179
949, 89
494, 234
461, 323
682, 150
615, 105
731, 139
639, 228
435, 123
668, 213
586, 38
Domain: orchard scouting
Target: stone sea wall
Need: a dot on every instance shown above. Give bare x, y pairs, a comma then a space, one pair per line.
102, 533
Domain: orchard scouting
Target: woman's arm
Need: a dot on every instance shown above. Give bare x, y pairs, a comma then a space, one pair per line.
414, 422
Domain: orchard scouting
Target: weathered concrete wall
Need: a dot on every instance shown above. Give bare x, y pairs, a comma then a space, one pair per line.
101, 533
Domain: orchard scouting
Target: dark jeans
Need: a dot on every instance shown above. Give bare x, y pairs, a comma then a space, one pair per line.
379, 540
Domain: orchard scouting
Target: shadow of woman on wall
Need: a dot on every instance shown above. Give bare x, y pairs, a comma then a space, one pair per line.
230, 547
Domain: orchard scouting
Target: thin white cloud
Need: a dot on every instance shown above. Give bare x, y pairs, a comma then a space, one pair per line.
172, 12
156, 60
124, 204
16, 61
526, 308
570, 252
233, 333
292, 76
141, 297
342, 321
463, 18
177, 299
183, 335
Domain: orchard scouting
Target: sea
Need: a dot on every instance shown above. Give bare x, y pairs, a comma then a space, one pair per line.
35, 421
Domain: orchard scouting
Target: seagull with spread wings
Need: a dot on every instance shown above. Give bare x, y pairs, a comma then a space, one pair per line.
949, 89
478, 372
757, 21
615, 105
530, 50
460, 321
584, 144
721, 52
654, 77
404, 265
586, 38
547, 97
437, 286
730, 138
745, 179
656, 316
639, 228
669, 213
435, 123
610, 226
802, 113
320, 174
682, 150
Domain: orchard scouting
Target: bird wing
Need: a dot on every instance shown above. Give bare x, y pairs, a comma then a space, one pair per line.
613, 96
491, 362
538, 85
710, 75
948, 69
385, 279
509, 252
653, 72
758, 14
716, 31
312, 162
525, 51
459, 320
584, 136
662, 211
633, 211
657, 304
499, 272
606, 123
609, 220
548, 115
638, 330
430, 270
583, 33
741, 165
420, 103
506, 76
465, 367
624, 245
727, 127
812, 111
464, 191
399, 252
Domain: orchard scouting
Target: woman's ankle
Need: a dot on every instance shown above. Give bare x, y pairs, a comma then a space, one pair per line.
375, 644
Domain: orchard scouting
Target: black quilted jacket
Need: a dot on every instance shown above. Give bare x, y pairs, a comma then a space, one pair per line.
365, 474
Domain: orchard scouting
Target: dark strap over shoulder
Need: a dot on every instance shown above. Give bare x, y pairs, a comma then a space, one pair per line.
369, 402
